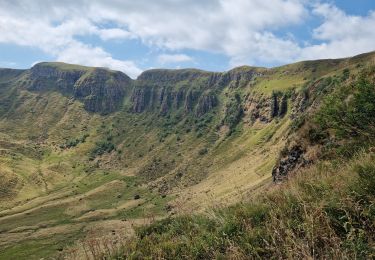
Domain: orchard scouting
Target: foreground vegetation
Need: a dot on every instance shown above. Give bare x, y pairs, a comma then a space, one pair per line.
327, 212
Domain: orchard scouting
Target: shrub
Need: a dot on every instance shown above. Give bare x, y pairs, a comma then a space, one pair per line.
350, 111
101, 148
74, 142
203, 151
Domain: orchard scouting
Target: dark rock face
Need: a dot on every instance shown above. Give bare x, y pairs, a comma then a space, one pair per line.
104, 91
293, 159
279, 105
236, 78
190, 98
265, 109
240, 77
99, 89
44, 77
178, 98
283, 106
165, 101
139, 100
258, 109
274, 106
205, 104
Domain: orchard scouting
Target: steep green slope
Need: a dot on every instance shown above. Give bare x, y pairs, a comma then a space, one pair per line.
86, 147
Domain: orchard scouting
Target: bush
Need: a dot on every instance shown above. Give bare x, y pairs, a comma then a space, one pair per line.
350, 111
101, 148
233, 112
74, 142
203, 151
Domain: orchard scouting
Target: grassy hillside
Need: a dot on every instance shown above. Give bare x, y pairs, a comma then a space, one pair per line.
88, 152
325, 211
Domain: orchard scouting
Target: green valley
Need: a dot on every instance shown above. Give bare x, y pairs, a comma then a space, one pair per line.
188, 164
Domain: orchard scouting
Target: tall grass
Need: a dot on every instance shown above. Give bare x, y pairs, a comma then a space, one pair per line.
327, 211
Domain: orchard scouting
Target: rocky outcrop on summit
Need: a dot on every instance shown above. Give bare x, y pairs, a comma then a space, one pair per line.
101, 90
235, 78
43, 76
165, 76
241, 76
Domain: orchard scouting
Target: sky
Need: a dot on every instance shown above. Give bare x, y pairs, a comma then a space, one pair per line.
215, 35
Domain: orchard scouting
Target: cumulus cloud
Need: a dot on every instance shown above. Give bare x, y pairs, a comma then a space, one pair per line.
115, 34
341, 34
79, 53
238, 29
173, 58
53, 30
245, 31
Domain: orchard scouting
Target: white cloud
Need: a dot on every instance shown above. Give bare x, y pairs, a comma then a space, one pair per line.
115, 33
234, 28
341, 34
173, 58
242, 30
79, 53
53, 30
220, 26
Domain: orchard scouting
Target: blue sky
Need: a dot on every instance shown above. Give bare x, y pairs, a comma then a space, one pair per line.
215, 35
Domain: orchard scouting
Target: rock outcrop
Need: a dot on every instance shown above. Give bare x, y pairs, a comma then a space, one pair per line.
139, 100
44, 76
264, 108
205, 104
101, 90
292, 160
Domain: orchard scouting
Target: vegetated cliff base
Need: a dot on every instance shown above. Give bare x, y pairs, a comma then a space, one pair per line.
83, 146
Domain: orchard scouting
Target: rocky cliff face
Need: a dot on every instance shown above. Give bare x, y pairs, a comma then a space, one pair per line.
292, 160
163, 100
194, 91
163, 90
44, 77
265, 108
206, 103
100, 90
104, 91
